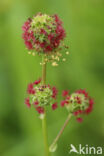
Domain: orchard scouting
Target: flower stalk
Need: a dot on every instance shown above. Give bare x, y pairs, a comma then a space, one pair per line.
53, 146
44, 125
43, 71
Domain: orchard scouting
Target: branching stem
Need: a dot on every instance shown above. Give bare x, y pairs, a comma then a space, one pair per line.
60, 132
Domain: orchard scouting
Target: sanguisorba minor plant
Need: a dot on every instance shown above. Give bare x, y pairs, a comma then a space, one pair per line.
43, 35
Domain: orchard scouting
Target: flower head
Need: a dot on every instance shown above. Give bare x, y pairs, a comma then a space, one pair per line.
43, 34
40, 96
78, 103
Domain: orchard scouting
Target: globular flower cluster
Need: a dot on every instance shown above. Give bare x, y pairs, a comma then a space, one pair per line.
77, 103
43, 34
40, 95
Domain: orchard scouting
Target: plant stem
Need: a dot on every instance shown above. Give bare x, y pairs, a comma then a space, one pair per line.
44, 125
43, 71
60, 132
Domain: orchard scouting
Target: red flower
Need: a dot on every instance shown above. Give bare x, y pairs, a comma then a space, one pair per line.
30, 89
82, 91
86, 103
26, 25
65, 93
58, 21
79, 120
40, 110
52, 38
63, 103
29, 45
78, 112
27, 102
36, 103
27, 35
42, 96
91, 102
55, 91
54, 106
48, 48
42, 31
90, 108
78, 100
68, 97
42, 45
37, 82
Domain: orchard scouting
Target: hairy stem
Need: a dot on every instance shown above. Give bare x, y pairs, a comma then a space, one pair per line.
60, 132
44, 125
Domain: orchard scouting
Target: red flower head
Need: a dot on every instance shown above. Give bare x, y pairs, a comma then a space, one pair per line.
78, 103
41, 29
40, 96
44, 34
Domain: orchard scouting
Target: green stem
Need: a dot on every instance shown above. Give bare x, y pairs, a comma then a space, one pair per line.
60, 133
44, 125
43, 71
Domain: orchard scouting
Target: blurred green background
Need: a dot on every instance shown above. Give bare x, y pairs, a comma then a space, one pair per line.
20, 128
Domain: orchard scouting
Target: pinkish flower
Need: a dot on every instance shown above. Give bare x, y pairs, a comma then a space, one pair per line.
42, 36
55, 91
27, 102
79, 120
37, 82
58, 21
30, 89
40, 110
36, 103
43, 44
48, 48
29, 45
42, 31
78, 99
82, 91
76, 113
65, 93
63, 103
54, 106
40, 96
68, 97
78, 103
26, 25
90, 108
